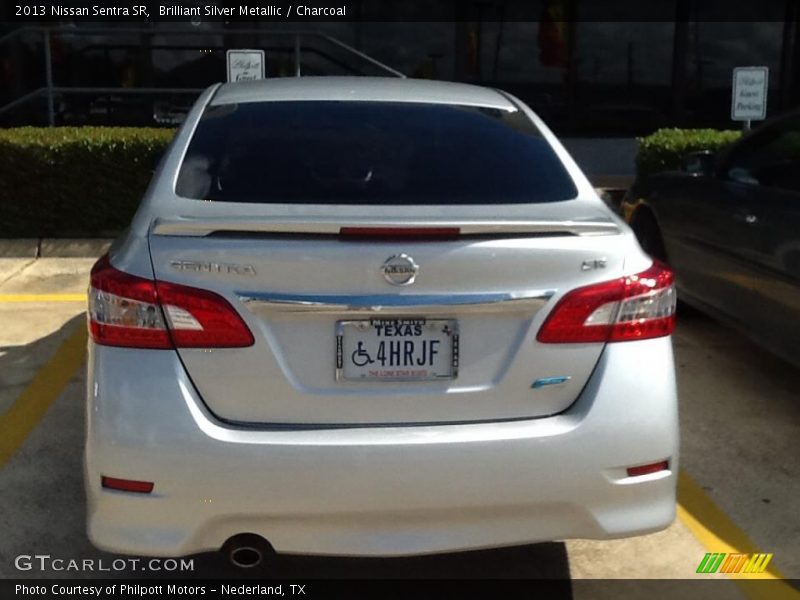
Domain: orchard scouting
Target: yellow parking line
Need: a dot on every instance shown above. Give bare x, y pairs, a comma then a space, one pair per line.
718, 533
42, 297
46, 386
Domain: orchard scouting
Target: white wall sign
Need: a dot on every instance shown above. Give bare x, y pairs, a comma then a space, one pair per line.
245, 65
749, 99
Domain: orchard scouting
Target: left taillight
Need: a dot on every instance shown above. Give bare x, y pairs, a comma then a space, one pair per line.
124, 309
133, 312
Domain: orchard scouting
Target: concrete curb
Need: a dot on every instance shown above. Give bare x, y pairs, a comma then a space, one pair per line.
19, 248
54, 248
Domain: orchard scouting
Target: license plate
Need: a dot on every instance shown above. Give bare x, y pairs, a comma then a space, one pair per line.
397, 349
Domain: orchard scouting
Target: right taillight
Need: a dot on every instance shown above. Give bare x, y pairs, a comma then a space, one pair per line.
132, 312
635, 307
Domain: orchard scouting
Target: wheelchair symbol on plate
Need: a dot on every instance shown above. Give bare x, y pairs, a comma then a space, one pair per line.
361, 357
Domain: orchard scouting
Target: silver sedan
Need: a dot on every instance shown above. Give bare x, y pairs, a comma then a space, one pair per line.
364, 316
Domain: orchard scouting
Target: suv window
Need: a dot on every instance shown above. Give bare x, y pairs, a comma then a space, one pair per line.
770, 158
370, 153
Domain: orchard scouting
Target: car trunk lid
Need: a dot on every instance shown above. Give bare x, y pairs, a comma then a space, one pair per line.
304, 291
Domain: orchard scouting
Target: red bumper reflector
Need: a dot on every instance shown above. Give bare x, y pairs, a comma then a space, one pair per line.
647, 469
127, 485
400, 232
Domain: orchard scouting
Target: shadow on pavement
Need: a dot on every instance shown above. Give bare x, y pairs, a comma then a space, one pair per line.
534, 561
19, 363
740, 445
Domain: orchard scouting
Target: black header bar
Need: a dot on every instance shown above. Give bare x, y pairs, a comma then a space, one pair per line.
37, 12
416, 589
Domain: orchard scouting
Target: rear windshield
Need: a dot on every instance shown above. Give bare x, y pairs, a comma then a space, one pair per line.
370, 153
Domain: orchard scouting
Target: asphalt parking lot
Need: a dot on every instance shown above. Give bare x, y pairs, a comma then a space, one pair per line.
738, 491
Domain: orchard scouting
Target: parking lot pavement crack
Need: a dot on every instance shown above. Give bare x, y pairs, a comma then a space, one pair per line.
16, 272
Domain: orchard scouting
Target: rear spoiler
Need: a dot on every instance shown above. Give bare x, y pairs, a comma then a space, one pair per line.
201, 227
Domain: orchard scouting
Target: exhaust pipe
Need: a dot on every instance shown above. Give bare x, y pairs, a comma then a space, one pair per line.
247, 550
246, 557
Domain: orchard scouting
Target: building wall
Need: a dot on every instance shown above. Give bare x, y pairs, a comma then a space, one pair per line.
585, 78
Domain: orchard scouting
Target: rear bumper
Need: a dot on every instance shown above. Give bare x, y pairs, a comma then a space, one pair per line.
376, 491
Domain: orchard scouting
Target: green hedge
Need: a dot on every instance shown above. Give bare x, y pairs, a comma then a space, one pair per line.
665, 149
88, 181
74, 181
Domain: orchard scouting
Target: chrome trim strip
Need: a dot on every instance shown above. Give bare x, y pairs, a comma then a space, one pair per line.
198, 227
426, 304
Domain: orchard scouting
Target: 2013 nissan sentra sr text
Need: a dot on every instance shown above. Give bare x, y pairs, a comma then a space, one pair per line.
364, 316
